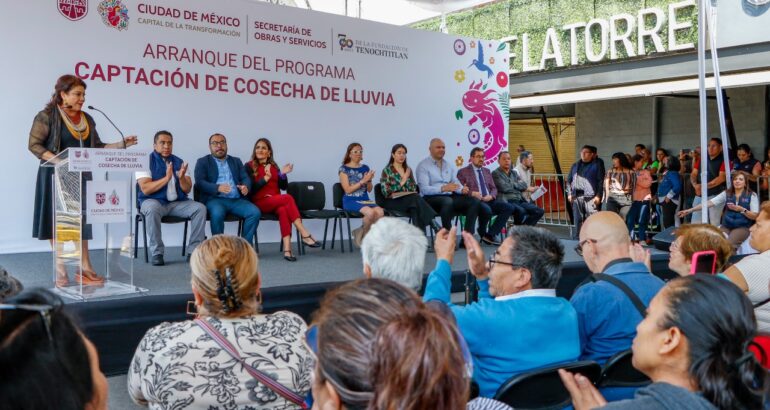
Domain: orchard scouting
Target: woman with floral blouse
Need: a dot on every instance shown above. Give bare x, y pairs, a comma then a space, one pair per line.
180, 365
400, 191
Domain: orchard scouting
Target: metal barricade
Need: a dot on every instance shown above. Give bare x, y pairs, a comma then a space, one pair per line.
554, 201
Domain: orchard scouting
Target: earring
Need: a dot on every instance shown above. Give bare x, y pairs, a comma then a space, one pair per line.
192, 308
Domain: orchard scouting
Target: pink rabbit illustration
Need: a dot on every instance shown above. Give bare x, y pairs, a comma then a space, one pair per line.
484, 108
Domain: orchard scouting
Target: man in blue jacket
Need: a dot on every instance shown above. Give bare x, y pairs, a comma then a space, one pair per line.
518, 323
163, 191
223, 184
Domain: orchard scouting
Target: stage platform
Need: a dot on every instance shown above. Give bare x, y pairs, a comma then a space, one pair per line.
116, 325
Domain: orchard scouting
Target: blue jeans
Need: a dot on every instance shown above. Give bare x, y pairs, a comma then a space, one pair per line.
219, 207
639, 214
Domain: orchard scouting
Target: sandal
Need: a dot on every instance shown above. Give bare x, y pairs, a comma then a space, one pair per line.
62, 279
88, 277
314, 244
289, 257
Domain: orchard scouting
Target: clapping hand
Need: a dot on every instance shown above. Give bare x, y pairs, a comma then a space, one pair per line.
408, 173
465, 190
243, 189
268, 173
287, 168
224, 188
639, 254
169, 170
444, 244
584, 395
182, 171
476, 263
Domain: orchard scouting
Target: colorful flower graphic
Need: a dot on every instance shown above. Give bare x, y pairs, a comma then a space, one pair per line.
502, 79
459, 47
474, 136
473, 44
459, 161
459, 76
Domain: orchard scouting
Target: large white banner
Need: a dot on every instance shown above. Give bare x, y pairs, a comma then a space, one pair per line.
311, 82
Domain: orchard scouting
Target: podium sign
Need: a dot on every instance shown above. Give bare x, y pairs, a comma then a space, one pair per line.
86, 206
108, 160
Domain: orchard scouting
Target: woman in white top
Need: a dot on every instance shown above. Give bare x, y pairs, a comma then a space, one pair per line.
741, 209
752, 274
179, 365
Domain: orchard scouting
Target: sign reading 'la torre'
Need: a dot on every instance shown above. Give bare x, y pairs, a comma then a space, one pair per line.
598, 40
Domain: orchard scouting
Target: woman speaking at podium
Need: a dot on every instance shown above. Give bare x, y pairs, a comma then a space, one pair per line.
59, 126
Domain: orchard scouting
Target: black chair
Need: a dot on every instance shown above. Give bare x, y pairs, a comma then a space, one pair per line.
166, 220
273, 217
542, 389
310, 198
620, 372
379, 199
228, 217
337, 193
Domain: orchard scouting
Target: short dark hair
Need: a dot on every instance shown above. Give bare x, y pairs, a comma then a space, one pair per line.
673, 164
641, 146
541, 252
163, 132
33, 363
502, 153
636, 158
524, 155
215, 134
590, 148
717, 140
475, 150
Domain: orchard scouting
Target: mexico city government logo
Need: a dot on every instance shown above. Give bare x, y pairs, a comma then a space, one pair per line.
114, 14
73, 10
101, 198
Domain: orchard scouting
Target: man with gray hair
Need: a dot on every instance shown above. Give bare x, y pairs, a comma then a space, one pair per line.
518, 323
395, 250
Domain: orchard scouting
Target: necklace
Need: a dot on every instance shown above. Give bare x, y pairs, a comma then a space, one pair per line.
79, 131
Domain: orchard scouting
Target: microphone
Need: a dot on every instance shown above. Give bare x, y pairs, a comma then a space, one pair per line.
122, 137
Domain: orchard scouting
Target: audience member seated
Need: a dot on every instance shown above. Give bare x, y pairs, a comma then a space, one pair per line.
741, 207
395, 250
619, 184
268, 183
9, 286
163, 192
747, 164
607, 316
481, 186
401, 355
692, 238
639, 215
46, 362
400, 191
693, 345
518, 323
669, 190
182, 365
752, 273
514, 188
356, 179
441, 189
224, 187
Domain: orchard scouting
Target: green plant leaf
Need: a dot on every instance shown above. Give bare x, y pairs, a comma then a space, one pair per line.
501, 47
459, 114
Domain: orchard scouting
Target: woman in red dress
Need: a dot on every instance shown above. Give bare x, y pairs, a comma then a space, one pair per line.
269, 180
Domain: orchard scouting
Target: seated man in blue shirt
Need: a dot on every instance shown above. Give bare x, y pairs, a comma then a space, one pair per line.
222, 184
518, 323
607, 316
438, 183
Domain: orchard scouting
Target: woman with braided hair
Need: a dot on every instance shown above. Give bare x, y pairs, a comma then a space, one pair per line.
220, 359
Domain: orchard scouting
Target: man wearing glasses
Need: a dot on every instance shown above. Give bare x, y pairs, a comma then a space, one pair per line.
518, 324
163, 191
607, 314
223, 185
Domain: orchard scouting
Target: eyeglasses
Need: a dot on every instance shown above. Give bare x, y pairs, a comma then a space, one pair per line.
579, 246
492, 261
218, 143
357, 151
43, 310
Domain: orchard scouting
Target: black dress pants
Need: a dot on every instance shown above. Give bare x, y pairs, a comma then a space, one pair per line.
449, 205
415, 206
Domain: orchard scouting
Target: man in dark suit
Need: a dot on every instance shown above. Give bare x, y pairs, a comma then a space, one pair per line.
481, 186
223, 184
